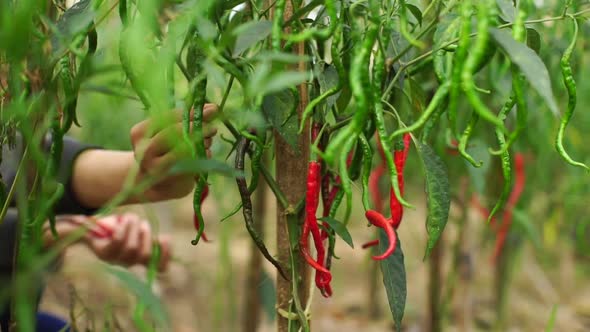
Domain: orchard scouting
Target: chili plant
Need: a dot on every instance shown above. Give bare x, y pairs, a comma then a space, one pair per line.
316, 85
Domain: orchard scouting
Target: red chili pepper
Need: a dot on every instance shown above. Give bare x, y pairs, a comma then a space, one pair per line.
512, 200
376, 196
196, 221
380, 221
453, 149
389, 225
370, 244
323, 275
400, 157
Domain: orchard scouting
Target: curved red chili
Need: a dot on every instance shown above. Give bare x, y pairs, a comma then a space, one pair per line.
323, 275
379, 220
400, 157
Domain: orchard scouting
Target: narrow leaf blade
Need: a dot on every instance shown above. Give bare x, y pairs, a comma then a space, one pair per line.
339, 229
437, 193
529, 64
143, 292
249, 34
394, 279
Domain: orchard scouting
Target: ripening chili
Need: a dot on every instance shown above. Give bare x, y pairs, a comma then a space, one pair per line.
377, 219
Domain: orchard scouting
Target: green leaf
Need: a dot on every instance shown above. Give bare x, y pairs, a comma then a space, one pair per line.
394, 279
279, 110
197, 166
507, 10
249, 34
477, 175
268, 295
280, 81
416, 12
530, 65
328, 79
143, 292
74, 21
339, 229
437, 193
533, 40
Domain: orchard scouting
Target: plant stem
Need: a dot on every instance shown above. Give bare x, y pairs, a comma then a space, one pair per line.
291, 168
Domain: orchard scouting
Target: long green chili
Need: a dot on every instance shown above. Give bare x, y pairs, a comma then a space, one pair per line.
570, 84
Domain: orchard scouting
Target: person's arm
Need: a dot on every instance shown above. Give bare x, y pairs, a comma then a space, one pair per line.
99, 175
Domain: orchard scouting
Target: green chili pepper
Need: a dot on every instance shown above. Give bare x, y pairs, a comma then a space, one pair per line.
354, 169
196, 102
359, 81
458, 64
485, 12
367, 164
570, 84
438, 98
277, 25
442, 64
519, 34
517, 98
506, 166
465, 139
381, 130
438, 65
336, 203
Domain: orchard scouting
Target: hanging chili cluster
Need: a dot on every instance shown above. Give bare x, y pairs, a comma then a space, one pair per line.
331, 188
375, 217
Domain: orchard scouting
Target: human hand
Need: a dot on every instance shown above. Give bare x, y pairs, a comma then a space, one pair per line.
159, 144
119, 239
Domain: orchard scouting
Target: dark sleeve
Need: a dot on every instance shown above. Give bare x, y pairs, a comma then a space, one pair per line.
68, 204
7, 237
